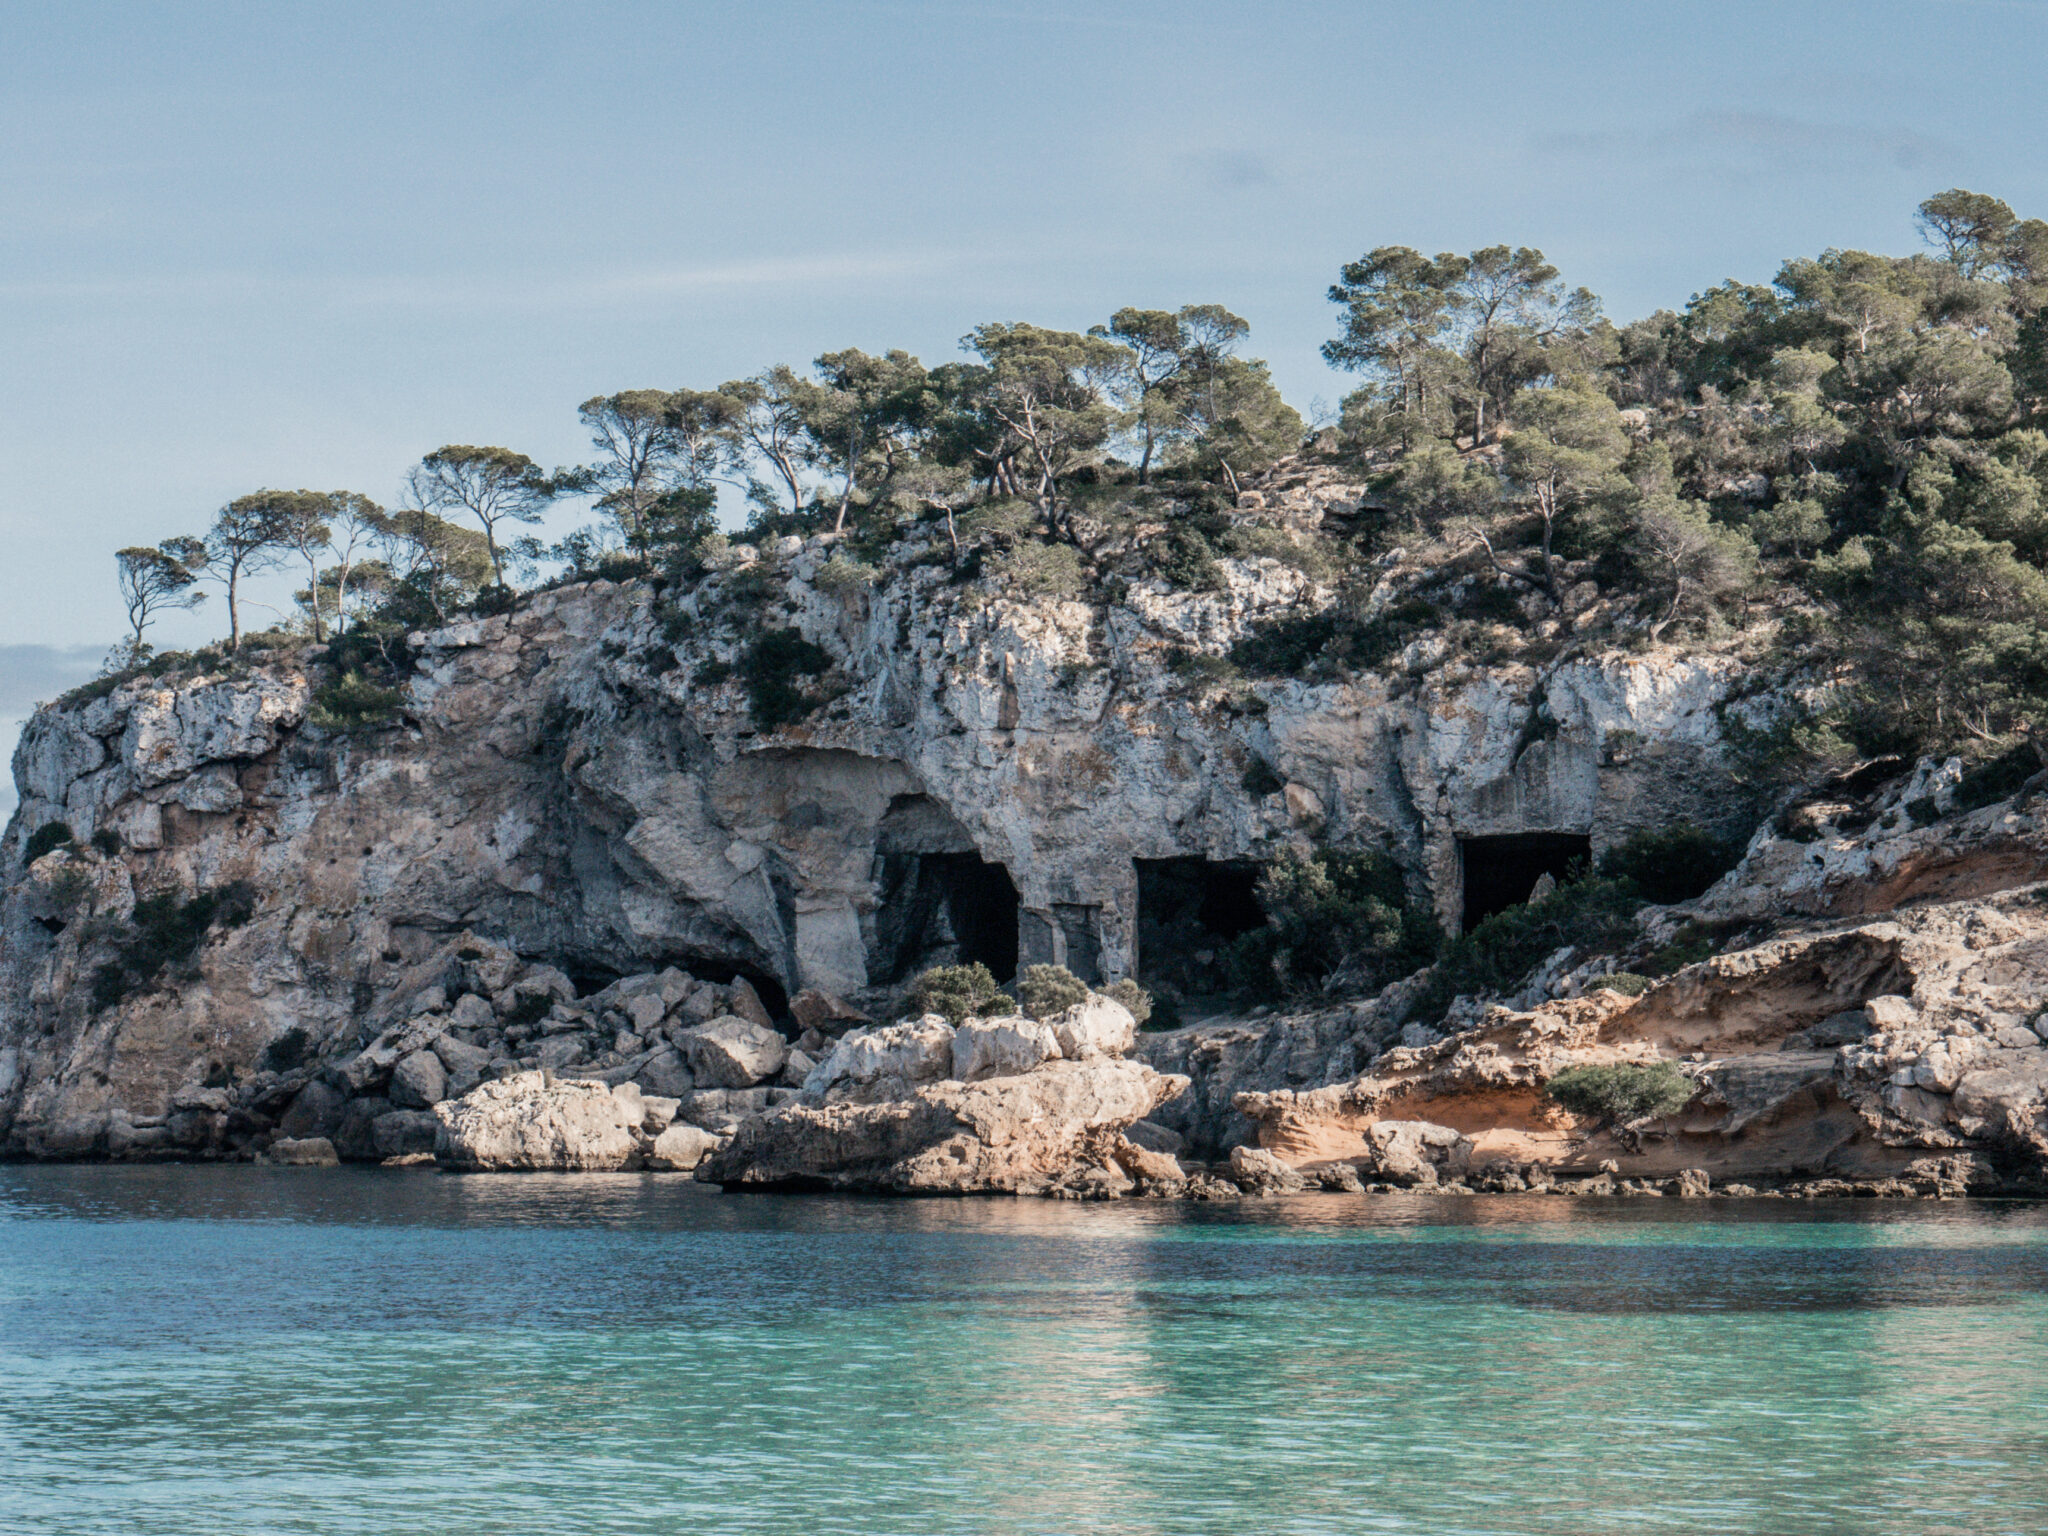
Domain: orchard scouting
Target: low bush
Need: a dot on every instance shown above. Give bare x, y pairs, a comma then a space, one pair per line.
1674, 863
1046, 990
845, 577
1997, 778
352, 703
49, 836
771, 666
1627, 983
1591, 914
1336, 911
1133, 997
167, 929
1187, 560
493, 600
1624, 1091
107, 840
1261, 779
1042, 570
960, 992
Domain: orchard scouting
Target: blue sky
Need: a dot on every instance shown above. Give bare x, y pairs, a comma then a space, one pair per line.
281, 244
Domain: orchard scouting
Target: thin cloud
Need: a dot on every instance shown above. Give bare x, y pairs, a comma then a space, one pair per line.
575, 290
1768, 135
1231, 170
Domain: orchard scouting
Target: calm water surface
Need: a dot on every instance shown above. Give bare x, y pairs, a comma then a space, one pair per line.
340, 1351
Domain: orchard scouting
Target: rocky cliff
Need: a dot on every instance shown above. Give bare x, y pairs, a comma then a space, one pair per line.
581, 789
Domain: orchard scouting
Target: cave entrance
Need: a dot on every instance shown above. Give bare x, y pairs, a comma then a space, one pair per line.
1500, 872
1189, 910
943, 909
773, 997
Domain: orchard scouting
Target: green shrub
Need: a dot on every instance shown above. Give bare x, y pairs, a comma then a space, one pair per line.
844, 576
167, 929
1627, 983
1493, 601
1133, 997
1335, 911
960, 992
771, 666
107, 840
1623, 1091
712, 673
1261, 779
1286, 647
353, 703
1042, 570
1046, 990
50, 835
1186, 560
1590, 914
493, 600
1674, 863
1997, 778
1332, 640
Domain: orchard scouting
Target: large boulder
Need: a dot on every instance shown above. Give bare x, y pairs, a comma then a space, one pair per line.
732, 1053
1016, 1134
681, 1148
1001, 1048
914, 1051
1415, 1152
419, 1081
404, 1133
664, 1073
314, 1115
1261, 1173
530, 1121
1100, 1026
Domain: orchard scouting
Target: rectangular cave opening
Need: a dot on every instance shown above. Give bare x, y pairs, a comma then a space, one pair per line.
1500, 872
1189, 911
943, 909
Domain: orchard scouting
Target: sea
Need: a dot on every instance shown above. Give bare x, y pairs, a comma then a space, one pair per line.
240, 1350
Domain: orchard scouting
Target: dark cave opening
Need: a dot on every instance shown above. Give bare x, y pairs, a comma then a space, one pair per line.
766, 987
1189, 910
943, 909
1500, 872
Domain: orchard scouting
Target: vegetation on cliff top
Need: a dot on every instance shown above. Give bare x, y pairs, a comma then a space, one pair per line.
1856, 451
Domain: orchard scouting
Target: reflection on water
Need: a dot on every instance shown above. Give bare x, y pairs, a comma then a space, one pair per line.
340, 1351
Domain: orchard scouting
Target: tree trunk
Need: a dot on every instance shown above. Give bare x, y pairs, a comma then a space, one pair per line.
313, 597
234, 615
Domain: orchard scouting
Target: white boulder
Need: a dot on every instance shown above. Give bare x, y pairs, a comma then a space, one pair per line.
1101, 1026
1001, 1048
529, 1122
914, 1051
732, 1052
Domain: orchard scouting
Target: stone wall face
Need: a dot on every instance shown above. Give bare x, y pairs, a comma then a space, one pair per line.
563, 784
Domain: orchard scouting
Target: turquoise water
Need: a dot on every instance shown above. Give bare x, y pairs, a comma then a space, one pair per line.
338, 1351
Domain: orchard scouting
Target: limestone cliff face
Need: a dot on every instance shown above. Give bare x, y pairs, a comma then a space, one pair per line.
572, 782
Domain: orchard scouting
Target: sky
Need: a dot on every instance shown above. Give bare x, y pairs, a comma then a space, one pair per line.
296, 245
